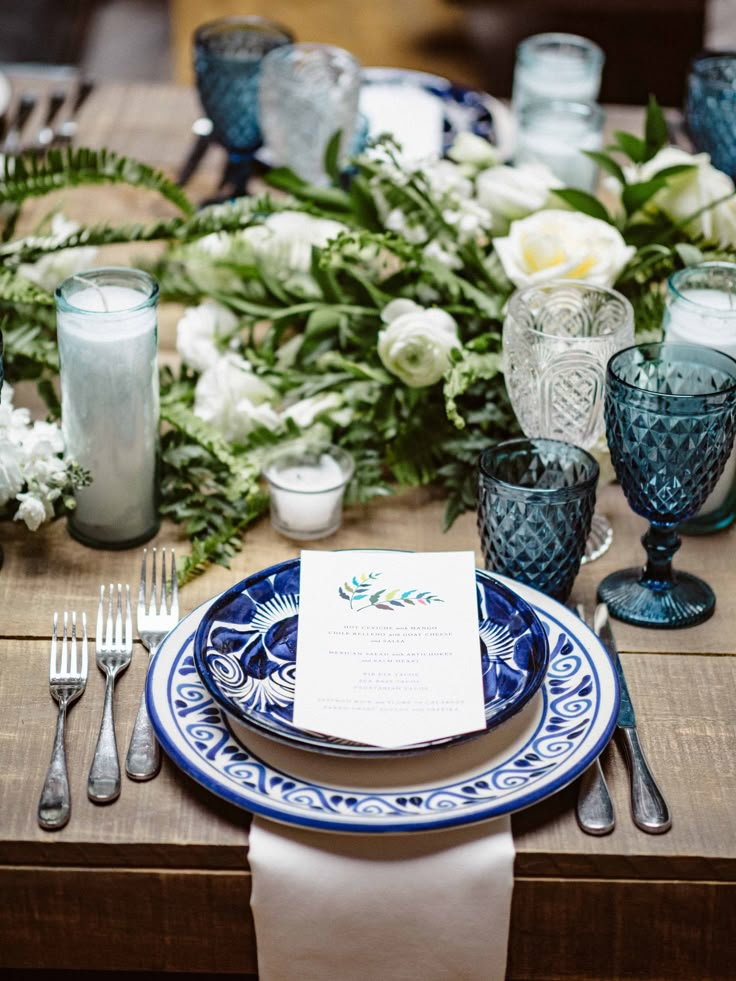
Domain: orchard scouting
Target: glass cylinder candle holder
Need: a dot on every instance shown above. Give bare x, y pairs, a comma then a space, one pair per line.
710, 109
701, 309
107, 335
557, 66
307, 488
557, 133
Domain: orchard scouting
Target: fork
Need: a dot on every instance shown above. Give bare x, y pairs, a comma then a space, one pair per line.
113, 652
154, 622
67, 680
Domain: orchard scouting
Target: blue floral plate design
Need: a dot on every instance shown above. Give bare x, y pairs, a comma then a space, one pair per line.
542, 749
245, 653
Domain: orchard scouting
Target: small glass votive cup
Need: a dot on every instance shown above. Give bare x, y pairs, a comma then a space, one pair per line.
557, 66
535, 505
557, 133
308, 92
701, 309
306, 487
710, 107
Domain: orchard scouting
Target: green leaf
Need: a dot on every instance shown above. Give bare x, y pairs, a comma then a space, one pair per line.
690, 255
582, 201
608, 164
332, 157
655, 129
634, 148
635, 196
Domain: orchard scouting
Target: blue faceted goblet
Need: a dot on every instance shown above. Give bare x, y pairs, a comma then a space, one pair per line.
535, 506
227, 64
670, 418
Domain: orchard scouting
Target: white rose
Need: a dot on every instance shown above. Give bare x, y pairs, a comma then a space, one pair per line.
562, 245
692, 191
416, 344
233, 399
198, 330
514, 192
33, 511
471, 149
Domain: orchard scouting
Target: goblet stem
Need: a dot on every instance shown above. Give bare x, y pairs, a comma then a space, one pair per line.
661, 542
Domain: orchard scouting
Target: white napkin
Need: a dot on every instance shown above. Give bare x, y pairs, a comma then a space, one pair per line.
414, 117
433, 906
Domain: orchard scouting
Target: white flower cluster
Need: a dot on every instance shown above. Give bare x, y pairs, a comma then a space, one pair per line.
32, 471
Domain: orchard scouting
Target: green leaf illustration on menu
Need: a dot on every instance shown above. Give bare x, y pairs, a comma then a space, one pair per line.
357, 591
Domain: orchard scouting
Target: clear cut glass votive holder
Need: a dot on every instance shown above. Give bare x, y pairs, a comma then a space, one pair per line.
710, 107
108, 353
535, 506
557, 66
701, 309
556, 133
306, 487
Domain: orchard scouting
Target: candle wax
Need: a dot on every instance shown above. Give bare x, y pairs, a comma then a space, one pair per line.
555, 75
306, 497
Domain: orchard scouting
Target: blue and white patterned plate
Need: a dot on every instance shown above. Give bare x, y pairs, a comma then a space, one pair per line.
541, 749
245, 653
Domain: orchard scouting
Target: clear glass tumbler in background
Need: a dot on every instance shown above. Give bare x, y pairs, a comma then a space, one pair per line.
535, 505
710, 110
557, 339
227, 65
308, 92
557, 66
557, 133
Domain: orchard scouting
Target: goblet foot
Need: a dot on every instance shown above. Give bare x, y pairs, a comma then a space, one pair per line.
682, 602
599, 540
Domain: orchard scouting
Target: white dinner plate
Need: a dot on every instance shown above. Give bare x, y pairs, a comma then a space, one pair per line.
532, 755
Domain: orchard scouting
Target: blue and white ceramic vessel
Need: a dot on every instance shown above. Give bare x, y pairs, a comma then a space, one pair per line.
245, 651
534, 754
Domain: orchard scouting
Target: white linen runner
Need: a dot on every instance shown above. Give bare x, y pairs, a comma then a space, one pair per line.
429, 906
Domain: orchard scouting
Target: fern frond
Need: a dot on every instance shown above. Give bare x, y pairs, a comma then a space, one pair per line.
30, 175
28, 341
15, 289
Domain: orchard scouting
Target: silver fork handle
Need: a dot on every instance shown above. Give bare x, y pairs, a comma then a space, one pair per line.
594, 809
103, 785
54, 806
144, 753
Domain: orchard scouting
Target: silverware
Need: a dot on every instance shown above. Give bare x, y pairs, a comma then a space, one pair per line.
45, 136
114, 652
154, 621
648, 806
14, 136
67, 680
202, 131
68, 129
594, 807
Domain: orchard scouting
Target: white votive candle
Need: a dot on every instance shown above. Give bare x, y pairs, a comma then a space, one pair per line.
557, 134
557, 66
107, 335
701, 309
307, 491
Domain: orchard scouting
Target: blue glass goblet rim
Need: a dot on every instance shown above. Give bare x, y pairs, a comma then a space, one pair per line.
519, 299
540, 446
233, 24
707, 67
673, 403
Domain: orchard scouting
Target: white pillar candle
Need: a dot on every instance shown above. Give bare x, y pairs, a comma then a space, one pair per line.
701, 309
307, 491
107, 335
556, 66
557, 134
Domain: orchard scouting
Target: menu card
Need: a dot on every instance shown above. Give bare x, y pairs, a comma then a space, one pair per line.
388, 652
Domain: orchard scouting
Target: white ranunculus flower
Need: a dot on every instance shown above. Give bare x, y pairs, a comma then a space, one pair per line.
557, 244
198, 330
469, 148
416, 344
234, 400
692, 191
33, 511
509, 193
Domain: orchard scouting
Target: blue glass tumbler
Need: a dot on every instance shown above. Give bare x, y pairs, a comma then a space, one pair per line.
670, 418
710, 109
535, 506
227, 64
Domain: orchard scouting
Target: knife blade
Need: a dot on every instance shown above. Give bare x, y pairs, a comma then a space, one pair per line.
648, 806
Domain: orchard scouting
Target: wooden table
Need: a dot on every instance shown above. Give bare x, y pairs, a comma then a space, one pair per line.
159, 880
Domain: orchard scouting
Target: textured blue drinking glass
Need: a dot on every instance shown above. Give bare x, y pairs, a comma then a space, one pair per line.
710, 109
535, 505
670, 417
227, 65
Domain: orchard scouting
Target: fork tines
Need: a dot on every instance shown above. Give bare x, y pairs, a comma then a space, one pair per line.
59, 672
113, 634
168, 600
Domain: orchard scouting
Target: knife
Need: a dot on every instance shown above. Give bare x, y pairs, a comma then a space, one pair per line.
648, 807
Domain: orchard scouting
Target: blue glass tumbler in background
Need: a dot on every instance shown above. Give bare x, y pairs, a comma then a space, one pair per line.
227, 64
535, 506
710, 110
670, 420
